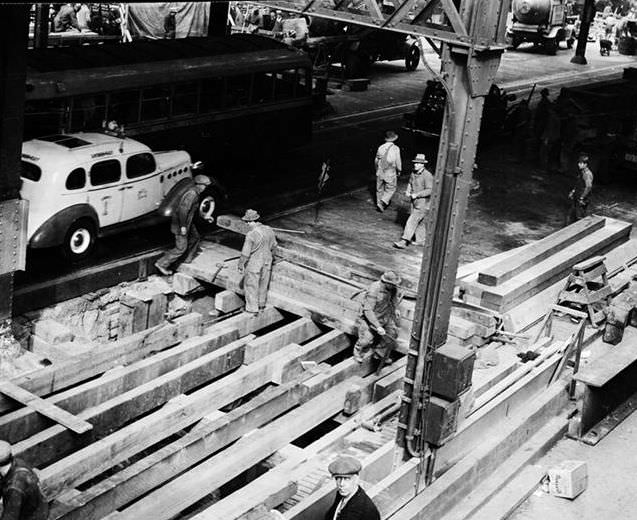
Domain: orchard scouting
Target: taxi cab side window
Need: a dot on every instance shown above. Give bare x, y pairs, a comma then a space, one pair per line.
139, 165
76, 179
105, 172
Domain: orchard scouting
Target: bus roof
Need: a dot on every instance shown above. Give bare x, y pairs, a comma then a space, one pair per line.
65, 71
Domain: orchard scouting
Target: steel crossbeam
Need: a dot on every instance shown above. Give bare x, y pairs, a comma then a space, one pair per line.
436, 19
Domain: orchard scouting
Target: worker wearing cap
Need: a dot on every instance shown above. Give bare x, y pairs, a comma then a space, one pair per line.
388, 167
378, 317
256, 261
182, 226
351, 501
22, 498
419, 189
580, 194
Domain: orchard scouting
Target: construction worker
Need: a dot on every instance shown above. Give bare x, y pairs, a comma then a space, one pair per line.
419, 191
579, 195
388, 167
182, 226
256, 261
378, 317
351, 502
22, 498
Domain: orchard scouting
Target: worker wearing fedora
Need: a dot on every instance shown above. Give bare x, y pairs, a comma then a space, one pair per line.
22, 498
378, 316
579, 195
388, 167
351, 502
419, 192
256, 261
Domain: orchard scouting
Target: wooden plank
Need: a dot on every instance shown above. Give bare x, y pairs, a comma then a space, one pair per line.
47, 409
54, 442
195, 484
296, 332
227, 301
85, 366
248, 323
539, 250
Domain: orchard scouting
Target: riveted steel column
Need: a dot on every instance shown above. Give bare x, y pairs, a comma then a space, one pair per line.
14, 24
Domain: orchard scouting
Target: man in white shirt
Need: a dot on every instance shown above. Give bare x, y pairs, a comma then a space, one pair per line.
388, 167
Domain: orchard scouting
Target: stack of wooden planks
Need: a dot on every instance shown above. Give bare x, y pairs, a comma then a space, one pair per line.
517, 278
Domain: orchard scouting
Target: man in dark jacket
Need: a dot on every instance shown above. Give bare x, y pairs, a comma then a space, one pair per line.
183, 227
579, 196
66, 19
22, 498
351, 502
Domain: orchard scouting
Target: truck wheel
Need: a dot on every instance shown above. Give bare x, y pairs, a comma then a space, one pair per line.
412, 58
550, 46
79, 241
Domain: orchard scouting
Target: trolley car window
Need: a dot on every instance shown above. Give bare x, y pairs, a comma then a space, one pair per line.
155, 103
44, 116
30, 171
302, 83
212, 94
238, 91
88, 112
105, 172
139, 165
123, 107
263, 91
76, 179
185, 99
284, 88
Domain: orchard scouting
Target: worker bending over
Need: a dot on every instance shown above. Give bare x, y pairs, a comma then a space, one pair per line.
256, 261
378, 317
22, 498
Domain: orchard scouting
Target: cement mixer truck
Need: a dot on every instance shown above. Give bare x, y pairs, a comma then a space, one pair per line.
541, 22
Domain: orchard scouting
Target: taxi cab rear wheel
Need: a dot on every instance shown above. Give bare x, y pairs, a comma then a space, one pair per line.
79, 240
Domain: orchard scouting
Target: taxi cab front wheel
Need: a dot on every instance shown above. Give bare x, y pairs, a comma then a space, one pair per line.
79, 240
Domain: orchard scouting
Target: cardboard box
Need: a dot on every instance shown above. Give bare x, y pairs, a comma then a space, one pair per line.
568, 479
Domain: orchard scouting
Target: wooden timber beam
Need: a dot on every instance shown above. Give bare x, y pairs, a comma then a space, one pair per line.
208, 436
60, 416
85, 366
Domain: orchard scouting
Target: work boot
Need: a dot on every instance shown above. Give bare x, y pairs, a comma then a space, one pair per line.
380, 205
401, 244
162, 269
418, 242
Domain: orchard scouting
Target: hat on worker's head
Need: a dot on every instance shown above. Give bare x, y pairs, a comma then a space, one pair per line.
345, 465
6, 453
391, 278
390, 135
583, 157
202, 179
420, 159
251, 216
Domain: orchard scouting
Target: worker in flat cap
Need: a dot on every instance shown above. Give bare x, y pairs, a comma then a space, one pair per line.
256, 261
580, 194
419, 188
388, 167
378, 317
22, 498
351, 502
183, 227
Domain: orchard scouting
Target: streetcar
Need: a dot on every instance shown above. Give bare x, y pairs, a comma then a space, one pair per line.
215, 98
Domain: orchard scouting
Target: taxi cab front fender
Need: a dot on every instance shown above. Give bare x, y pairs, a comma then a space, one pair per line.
53, 231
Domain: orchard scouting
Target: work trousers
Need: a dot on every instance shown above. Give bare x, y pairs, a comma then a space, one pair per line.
255, 287
184, 245
368, 339
385, 186
415, 225
576, 212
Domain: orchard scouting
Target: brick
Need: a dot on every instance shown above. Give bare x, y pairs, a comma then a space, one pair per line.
185, 285
52, 331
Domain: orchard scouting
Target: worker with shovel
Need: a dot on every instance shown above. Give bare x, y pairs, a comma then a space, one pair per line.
255, 262
378, 318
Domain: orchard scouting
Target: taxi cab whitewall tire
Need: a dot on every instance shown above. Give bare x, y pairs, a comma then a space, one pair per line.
80, 239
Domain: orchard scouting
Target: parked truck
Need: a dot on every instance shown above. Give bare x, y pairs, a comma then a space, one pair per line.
541, 22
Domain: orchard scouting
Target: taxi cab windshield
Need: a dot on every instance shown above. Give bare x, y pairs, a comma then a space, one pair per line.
30, 171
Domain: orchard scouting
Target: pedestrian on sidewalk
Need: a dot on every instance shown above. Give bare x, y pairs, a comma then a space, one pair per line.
22, 498
419, 192
388, 167
351, 502
378, 317
256, 261
183, 227
580, 194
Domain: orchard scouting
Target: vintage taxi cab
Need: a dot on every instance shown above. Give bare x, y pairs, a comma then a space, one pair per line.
84, 185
